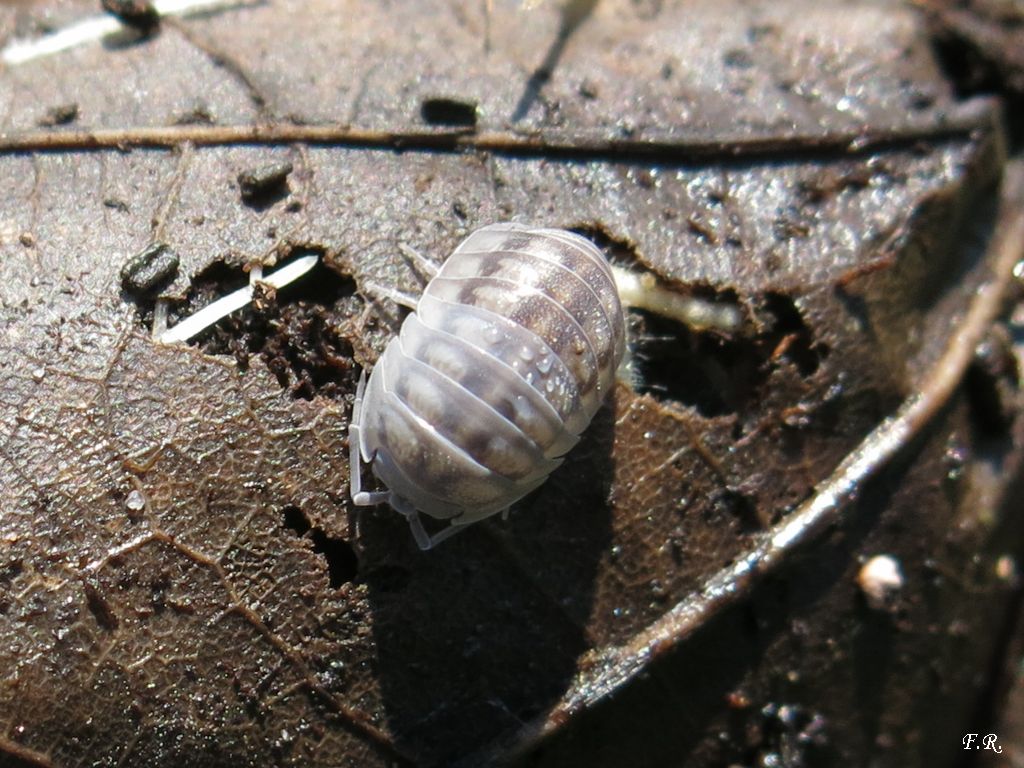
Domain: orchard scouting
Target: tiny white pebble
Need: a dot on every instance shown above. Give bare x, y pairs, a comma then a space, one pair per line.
38, 374
1006, 570
135, 501
880, 579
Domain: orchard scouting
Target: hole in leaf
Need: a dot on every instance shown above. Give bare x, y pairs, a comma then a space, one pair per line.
339, 556
741, 507
342, 563
296, 521
990, 385
976, 69
795, 342
296, 330
448, 112
715, 372
708, 371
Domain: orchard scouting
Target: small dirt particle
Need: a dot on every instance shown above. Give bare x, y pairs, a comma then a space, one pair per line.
140, 15
100, 608
148, 270
260, 184
588, 89
116, 203
62, 114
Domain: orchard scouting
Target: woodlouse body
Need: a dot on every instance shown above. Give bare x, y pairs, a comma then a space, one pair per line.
511, 350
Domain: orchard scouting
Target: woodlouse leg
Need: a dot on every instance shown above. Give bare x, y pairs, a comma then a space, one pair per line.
360, 497
423, 264
412, 515
376, 290
423, 539
468, 518
427, 268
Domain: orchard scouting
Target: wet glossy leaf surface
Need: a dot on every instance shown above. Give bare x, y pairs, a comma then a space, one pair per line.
182, 577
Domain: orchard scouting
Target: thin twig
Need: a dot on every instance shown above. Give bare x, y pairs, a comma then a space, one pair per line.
22, 755
960, 125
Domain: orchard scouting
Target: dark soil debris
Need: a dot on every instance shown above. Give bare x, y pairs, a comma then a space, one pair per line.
62, 114
297, 330
116, 204
787, 736
140, 15
100, 608
265, 185
150, 269
795, 340
991, 386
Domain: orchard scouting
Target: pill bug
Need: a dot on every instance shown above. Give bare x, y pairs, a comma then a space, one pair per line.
512, 348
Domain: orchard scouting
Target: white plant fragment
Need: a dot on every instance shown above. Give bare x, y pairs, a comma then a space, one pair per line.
224, 306
96, 28
641, 290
